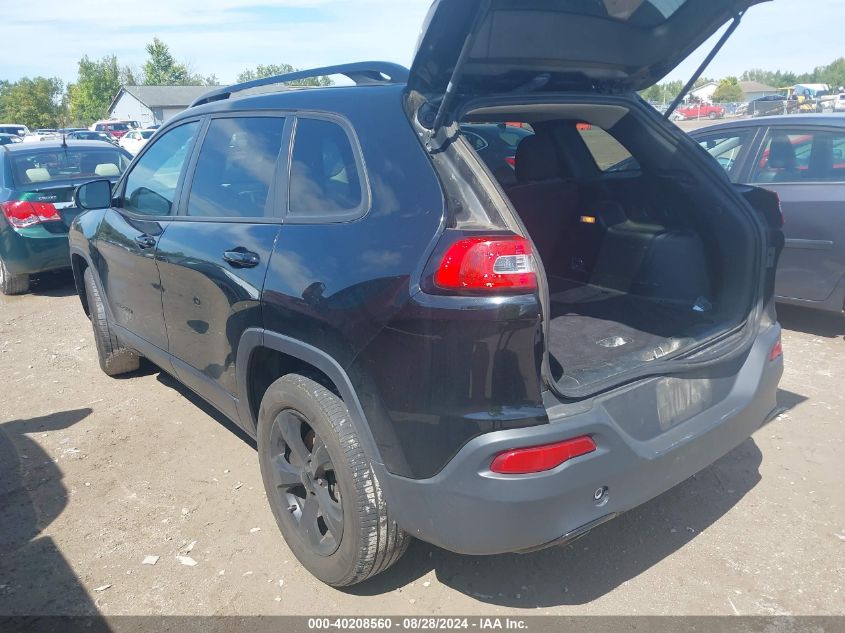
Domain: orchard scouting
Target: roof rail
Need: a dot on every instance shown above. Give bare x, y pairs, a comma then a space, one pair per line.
360, 72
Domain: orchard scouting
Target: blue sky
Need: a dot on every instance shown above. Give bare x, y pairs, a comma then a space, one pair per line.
224, 37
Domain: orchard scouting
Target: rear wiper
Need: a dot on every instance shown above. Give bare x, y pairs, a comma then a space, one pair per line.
700, 71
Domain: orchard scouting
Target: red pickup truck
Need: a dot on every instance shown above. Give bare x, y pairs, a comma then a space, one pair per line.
701, 111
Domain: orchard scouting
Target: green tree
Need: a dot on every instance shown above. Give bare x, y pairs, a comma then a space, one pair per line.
272, 70
96, 85
35, 102
662, 93
162, 69
729, 91
773, 78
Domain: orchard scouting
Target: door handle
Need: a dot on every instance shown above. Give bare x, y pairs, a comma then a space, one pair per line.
241, 259
145, 241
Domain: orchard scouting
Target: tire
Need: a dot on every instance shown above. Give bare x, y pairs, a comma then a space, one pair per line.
331, 481
12, 284
115, 359
713, 116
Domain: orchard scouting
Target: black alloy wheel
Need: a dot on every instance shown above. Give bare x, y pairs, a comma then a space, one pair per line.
306, 481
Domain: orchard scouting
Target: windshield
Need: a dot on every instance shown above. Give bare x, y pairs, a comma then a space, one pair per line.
12, 129
41, 166
120, 127
147, 133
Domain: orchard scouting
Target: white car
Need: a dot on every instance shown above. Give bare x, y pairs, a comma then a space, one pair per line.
839, 104
133, 141
14, 128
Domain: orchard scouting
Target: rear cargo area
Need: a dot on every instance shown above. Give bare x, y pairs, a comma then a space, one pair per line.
643, 260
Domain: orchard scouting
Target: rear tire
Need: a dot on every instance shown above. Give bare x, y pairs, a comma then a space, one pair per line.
12, 284
321, 486
114, 357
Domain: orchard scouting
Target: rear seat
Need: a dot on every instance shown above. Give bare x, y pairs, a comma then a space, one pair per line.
545, 201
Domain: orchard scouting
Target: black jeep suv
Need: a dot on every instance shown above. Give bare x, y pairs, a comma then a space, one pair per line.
418, 349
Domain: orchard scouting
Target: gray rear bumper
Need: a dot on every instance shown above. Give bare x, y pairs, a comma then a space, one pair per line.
468, 509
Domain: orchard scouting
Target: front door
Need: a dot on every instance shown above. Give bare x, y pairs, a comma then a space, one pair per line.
806, 168
214, 256
130, 231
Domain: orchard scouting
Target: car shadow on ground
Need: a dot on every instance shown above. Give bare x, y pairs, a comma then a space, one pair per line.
169, 381
53, 284
35, 577
815, 322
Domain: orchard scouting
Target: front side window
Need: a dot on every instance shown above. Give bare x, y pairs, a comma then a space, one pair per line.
725, 148
801, 156
324, 178
151, 185
236, 168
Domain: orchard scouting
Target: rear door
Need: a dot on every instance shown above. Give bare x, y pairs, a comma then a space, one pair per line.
805, 166
214, 256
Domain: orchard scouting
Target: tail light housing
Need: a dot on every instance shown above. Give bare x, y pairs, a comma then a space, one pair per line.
537, 459
486, 264
23, 213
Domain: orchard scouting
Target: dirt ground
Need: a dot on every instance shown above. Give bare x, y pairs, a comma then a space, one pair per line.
96, 474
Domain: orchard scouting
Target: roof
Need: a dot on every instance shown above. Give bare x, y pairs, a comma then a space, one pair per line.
755, 86
833, 119
163, 96
708, 84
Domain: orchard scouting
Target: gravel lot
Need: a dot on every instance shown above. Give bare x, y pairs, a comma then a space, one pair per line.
96, 474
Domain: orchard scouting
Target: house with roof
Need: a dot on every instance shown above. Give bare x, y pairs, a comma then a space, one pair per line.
704, 92
153, 105
754, 90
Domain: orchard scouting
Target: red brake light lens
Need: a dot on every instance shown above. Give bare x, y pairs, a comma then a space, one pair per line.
488, 264
777, 351
22, 213
536, 459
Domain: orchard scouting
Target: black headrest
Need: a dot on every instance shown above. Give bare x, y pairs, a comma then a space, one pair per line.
536, 159
781, 153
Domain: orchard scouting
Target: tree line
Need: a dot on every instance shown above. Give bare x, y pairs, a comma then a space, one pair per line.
46, 102
729, 90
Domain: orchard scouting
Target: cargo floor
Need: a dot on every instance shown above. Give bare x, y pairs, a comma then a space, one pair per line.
595, 332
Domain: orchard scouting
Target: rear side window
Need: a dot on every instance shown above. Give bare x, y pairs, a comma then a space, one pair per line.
609, 154
237, 168
41, 167
796, 155
151, 185
325, 180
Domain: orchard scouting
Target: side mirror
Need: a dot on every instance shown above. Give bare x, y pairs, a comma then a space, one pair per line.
93, 195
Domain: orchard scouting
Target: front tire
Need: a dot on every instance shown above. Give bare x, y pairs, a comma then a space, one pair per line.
12, 284
321, 486
115, 359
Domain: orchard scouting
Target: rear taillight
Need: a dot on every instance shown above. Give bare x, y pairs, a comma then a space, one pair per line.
22, 213
511, 160
536, 459
485, 264
777, 351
